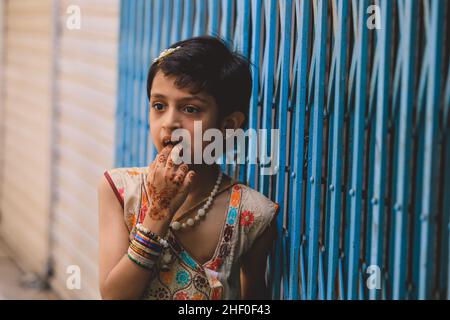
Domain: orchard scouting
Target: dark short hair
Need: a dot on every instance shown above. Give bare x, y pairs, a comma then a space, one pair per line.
206, 64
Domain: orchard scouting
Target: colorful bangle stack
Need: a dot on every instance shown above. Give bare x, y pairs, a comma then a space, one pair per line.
152, 235
146, 247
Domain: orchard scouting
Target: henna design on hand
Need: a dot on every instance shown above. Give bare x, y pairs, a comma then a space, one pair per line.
162, 158
170, 163
159, 201
162, 189
184, 168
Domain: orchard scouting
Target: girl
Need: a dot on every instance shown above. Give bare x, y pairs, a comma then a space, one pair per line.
190, 231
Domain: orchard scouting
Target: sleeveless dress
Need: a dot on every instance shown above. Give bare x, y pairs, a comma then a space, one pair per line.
248, 214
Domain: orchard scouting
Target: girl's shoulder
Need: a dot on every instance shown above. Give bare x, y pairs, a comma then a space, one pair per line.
125, 181
253, 199
257, 212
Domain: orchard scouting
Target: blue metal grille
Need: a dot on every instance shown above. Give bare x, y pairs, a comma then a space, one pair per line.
364, 158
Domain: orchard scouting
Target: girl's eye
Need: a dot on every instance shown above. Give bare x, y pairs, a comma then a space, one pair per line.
158, 106
191, 109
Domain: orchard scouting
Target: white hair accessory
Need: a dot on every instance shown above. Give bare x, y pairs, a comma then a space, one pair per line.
165, 53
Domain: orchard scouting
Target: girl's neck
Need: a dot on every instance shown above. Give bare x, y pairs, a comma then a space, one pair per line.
204, 181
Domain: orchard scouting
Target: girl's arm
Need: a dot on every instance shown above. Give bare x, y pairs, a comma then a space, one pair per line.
253, 268
120, 278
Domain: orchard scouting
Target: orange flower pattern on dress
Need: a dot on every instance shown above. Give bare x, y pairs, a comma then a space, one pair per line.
166, 277
216, 293
235, 198
132, 220
247, 218
181, 296
198, 296
215, 264
133, 172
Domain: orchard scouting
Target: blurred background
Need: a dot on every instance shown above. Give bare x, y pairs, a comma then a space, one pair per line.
57, 115
359, 89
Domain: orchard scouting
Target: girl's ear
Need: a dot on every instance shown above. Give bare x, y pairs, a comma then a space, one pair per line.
232, 121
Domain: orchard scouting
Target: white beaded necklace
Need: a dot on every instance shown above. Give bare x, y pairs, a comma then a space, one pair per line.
176, 225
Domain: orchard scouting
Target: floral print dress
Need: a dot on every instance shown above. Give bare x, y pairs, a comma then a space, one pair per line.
248, 214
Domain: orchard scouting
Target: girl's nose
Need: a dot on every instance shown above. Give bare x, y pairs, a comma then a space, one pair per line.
171, 120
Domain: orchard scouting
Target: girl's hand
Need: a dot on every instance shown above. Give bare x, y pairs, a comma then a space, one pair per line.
168, 185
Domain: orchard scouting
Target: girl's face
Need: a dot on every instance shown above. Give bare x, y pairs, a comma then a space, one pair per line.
172, 108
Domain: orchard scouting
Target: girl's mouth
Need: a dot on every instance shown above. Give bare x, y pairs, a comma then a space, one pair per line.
167, 141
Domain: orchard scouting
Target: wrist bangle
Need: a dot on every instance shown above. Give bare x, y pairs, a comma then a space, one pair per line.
144, 251
163, 242
139, 260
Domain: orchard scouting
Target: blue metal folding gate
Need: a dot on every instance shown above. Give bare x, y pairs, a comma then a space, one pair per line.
364, 119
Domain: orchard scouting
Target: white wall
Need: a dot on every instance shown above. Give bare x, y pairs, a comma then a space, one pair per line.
2, 135
86, 101
25, 187
59, 115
